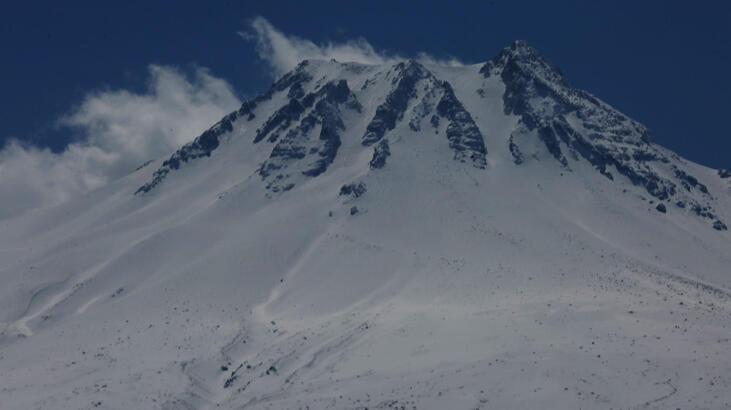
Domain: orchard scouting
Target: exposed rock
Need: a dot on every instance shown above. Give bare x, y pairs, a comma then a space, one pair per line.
295, 78
144, 164
296, 91
547, 134
719, 226
573, 123
326, 109
434, 121
515, 151
689, 181
207, 142
463, 134
281, 119
353, 190
392, 110
661, 208
380, 153
702, 211
724, 173
202, 146
298, 144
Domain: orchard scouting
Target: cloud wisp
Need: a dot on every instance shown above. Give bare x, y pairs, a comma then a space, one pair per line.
119, 131
283, 52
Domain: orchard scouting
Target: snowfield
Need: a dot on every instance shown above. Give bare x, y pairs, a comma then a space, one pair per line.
505, 248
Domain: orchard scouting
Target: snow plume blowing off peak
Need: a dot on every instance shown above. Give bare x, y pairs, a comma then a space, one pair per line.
120, 130
283, 52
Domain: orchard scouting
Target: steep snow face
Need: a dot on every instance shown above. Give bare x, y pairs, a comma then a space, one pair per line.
391, 236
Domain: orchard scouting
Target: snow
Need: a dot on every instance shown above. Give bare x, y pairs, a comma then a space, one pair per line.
515, 286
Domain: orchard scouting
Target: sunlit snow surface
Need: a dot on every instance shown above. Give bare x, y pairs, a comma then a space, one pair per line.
452, 287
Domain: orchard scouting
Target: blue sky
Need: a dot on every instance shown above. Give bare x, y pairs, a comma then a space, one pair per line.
97, 75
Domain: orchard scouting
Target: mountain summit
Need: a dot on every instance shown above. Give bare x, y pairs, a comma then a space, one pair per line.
319, 108
404, 235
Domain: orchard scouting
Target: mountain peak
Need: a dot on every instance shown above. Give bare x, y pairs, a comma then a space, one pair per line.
376, 235
521, 47
522, 57
321, 106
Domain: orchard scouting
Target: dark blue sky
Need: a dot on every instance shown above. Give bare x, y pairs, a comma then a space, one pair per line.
665, 63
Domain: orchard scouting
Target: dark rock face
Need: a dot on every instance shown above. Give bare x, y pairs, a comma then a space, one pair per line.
353, 190
291, 112
702, 211
661, 208
281, 119
464, 137
202, 146
380, 153
539, 94
689, 181
298, 146
289, 148
392, 110
434, 121
724, 173
515, 151
296, 91
329, 137
144, 164
293, 79
549, 136
573, 123
705, 211
207, 142
463, 134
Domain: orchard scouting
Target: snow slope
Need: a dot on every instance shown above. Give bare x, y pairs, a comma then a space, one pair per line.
401, 236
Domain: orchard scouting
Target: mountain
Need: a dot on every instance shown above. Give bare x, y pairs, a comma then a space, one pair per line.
389, 236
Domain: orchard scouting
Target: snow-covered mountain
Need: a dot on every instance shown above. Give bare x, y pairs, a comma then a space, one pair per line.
398, 236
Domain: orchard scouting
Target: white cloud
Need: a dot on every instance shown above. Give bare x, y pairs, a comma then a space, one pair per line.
283, 52
120, 130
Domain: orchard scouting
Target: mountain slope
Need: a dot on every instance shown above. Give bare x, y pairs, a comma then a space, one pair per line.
389, 236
